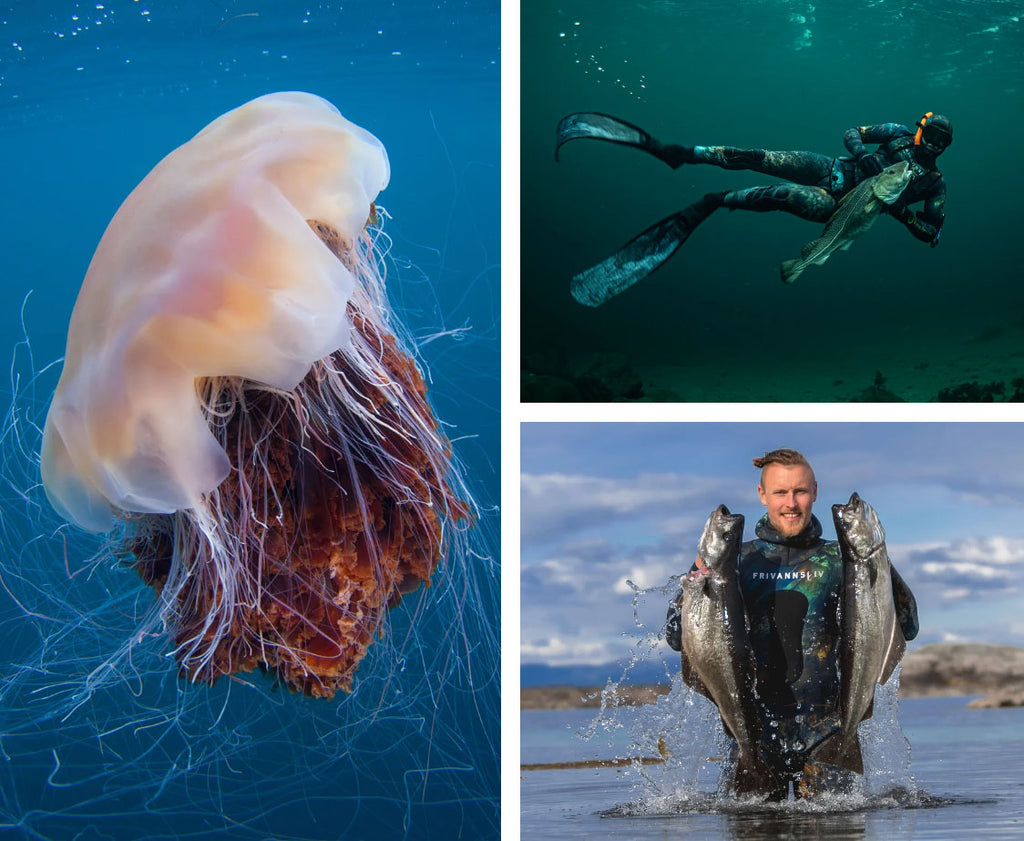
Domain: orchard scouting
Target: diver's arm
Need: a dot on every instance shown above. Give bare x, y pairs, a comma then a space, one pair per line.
673, 628
906, 605
927, 224
934, 213
853, 141
921, 230
855, 138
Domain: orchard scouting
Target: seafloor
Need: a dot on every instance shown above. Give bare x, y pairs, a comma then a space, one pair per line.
981, 365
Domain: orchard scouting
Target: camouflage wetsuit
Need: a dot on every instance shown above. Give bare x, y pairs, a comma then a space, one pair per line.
791, 589
820, 181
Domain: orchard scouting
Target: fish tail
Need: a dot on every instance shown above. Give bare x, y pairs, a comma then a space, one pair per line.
842, 752
754, 778
790, 270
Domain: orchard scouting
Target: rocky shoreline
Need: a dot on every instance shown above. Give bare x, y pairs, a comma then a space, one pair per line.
995, 672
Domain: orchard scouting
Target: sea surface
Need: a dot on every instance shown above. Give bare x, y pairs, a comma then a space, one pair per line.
964, 780
92, 95
715, 323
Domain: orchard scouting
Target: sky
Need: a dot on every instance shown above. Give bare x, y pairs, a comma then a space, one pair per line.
610, 512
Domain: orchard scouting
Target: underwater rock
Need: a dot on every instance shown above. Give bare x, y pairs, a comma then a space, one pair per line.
599, 377
544, 388
972, 392
877, 392
975, 392
661, 394
603, 377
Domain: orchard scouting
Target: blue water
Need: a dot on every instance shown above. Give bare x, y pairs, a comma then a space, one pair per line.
92, 95
966, 768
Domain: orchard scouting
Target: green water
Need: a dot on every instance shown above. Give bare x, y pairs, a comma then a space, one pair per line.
715, 323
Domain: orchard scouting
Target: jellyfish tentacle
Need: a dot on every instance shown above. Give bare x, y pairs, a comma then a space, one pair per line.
338, 504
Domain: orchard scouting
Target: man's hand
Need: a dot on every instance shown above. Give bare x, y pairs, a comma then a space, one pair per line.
869, 164
901, 212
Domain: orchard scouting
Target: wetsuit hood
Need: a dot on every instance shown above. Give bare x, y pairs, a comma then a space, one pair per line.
808, 537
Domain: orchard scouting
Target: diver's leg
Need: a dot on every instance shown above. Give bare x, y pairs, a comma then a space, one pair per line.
739, 785
808, 168
811, 203
818, 778
604, 127
777, 792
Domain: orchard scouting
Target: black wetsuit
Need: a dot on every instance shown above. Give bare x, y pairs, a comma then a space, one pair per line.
791, 590
818, 181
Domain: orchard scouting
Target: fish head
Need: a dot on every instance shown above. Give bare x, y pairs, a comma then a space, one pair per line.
720, 542
858, 528
890, 183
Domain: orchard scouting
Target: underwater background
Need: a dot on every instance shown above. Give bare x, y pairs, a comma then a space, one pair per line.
889, 319
92, 96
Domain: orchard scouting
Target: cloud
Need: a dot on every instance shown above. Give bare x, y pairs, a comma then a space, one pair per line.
963, 569
559, 651
554, 505
975, 471
577, 605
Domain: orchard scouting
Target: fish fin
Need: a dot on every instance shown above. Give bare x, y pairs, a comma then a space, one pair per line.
691, 678
789, 270
845, 246
897, 645
841, 752
753, 778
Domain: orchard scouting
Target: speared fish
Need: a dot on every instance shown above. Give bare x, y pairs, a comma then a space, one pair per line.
857, 212
871, 643
716, 649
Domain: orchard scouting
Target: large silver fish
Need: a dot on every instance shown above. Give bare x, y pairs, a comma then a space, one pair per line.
857, 212
871, 641
716, 649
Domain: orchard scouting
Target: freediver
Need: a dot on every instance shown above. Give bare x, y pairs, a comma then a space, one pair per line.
791, 580
814, 186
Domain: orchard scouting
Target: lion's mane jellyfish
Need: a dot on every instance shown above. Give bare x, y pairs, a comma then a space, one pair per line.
236, 399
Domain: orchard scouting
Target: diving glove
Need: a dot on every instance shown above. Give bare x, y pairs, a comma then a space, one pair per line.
869, 164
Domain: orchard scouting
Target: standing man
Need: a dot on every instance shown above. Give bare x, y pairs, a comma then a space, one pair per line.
791, 580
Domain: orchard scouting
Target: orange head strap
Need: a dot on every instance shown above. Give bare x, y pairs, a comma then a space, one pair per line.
920, 127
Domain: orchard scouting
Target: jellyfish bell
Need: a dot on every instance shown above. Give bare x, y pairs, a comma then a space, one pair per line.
236, 399
209, 268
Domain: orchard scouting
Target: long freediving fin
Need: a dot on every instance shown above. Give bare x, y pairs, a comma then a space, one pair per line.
640, 256
599, 126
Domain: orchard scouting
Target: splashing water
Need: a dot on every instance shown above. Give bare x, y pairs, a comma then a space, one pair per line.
680, 751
